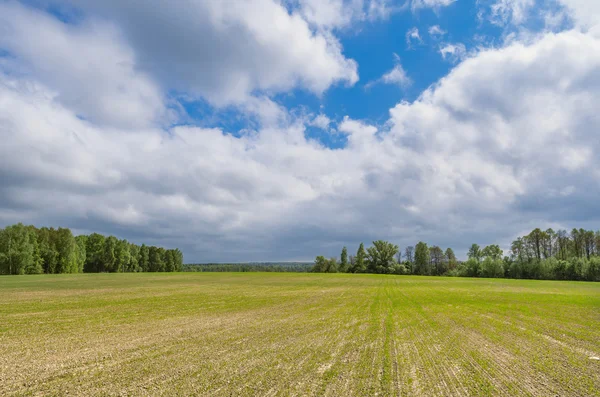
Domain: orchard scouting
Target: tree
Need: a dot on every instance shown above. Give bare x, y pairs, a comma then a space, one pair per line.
343, 268
492, 251
155, 260
422, 259
29, 250
122, 256
492, 267
472, 267
94, 247
109, 259
81, 252
320, 265
408, 255
438, 261
474, 252
323, 265
380, 257
134, 257
536, 238
18, 251
66, 246
360, 260
451, 259
144, 258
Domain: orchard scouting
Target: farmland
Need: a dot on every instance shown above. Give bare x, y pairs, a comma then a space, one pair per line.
297, 334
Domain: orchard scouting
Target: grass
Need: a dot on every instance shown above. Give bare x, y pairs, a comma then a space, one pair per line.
222, 334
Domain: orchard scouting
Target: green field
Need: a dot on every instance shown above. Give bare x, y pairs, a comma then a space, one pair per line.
229, 334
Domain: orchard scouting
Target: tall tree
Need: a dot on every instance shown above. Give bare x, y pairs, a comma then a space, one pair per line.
380, 257
360, 260
408, 253
422, 259
343, 267
94, 247
474, 252
451, 258
66, 246
492, 251
144, 259
438, 260
109, 259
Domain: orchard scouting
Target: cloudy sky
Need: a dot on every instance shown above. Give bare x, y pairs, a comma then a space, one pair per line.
249, 130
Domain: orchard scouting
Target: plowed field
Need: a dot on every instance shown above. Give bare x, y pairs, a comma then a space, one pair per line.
266, 334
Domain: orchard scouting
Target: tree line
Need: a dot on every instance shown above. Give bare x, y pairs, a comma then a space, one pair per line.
293, 267
547, 255
29, 250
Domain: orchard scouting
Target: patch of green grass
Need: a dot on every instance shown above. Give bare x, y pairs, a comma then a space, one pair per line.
296, 334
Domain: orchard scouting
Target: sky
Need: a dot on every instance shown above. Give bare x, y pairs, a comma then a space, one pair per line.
278, 130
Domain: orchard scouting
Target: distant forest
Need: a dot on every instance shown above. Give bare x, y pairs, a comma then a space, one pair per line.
29, 250
546, 255
296, 267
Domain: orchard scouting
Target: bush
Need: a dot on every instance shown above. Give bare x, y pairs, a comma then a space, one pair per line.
492, 268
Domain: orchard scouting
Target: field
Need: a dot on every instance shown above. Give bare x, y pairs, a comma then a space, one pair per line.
229, 334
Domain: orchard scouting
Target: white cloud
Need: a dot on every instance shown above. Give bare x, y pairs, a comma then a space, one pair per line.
435, 4
502, 143
453, 52
397, 75
321, 121
412, 35
585, 13
511, 11
89, 67
196, 47
342, 13
436, 31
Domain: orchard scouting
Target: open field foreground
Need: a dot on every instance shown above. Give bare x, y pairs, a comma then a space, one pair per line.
297, 334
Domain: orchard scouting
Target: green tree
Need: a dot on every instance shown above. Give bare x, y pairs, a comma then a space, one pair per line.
122, 256
94, 247
18, 248
475, 252
134, 257
109, 259
472, 267
48, 253
81, 252
422, 263
439, 265
144, 258
343, 267
492, 251
451, 259
380, 257
66, 246
360, 265
320, 265
155, 260
492, 267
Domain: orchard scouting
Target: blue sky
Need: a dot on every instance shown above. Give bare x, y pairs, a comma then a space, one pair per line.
256, 130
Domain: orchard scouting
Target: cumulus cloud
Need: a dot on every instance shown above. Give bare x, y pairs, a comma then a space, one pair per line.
88, 66
502, 143
197, 47
321, 121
